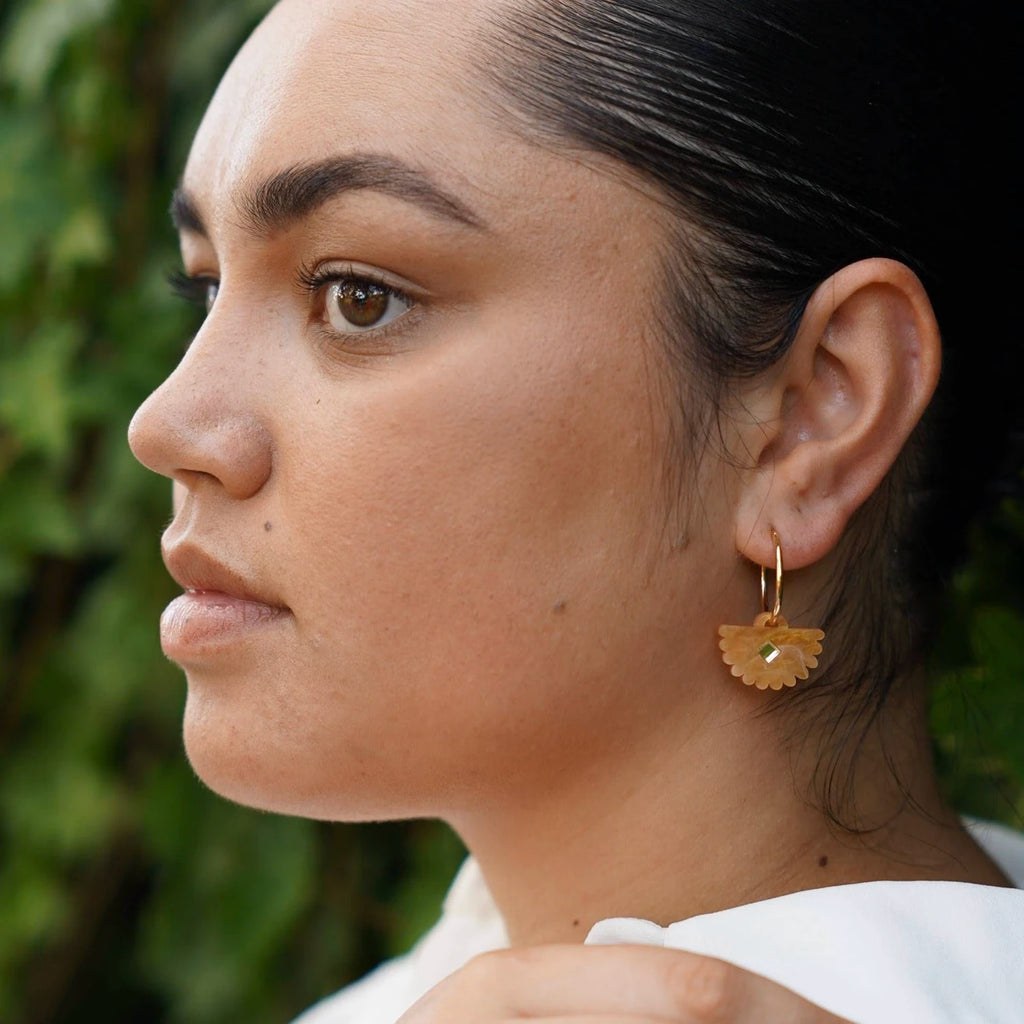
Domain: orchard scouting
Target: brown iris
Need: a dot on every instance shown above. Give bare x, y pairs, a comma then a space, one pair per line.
362, 303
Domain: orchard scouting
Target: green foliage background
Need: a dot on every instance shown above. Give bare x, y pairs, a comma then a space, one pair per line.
127, 891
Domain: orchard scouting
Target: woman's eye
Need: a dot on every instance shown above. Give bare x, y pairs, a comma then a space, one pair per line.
201, 291
354, 305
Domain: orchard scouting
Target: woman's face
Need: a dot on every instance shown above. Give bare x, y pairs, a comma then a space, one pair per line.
420, 443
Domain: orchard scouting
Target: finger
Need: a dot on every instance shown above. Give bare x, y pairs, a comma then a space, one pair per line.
639, 981
752, 999
603, 1019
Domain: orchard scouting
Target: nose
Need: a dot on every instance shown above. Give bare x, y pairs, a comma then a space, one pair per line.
204, 423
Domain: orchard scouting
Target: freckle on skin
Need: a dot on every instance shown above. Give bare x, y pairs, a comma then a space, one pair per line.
576, 922
823, 862
268, 526
559, 607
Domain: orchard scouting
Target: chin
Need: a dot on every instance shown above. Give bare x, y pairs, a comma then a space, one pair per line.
258, 771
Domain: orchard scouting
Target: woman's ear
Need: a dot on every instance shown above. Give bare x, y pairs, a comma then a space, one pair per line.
830, 421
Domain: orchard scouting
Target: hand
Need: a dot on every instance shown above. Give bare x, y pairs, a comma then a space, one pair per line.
610, 985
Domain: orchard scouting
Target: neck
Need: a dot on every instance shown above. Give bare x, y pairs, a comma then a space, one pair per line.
685, 830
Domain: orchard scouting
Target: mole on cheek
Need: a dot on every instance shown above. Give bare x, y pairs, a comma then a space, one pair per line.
268, 526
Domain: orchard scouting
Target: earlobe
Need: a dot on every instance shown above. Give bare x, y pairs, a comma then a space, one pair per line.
844, 401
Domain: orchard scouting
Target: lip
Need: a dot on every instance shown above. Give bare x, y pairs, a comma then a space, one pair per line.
220, 609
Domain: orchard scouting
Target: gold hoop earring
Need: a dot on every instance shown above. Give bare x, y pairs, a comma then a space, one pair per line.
770, 655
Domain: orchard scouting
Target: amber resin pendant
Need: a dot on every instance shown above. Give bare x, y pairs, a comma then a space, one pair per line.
770, 655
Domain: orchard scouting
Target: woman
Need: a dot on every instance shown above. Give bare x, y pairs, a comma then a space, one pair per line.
534, 331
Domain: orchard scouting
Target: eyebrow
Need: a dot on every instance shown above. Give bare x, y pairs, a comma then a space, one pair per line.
296, 192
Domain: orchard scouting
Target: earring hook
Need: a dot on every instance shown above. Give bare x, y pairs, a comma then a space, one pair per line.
777, 604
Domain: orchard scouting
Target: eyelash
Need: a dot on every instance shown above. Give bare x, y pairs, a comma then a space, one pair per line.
315, 281
191, 289
195, 290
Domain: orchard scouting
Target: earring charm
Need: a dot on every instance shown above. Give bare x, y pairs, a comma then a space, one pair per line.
769, 654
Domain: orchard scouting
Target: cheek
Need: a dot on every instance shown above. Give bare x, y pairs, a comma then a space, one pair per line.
464, 535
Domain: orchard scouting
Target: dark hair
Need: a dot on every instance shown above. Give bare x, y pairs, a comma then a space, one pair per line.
789, 139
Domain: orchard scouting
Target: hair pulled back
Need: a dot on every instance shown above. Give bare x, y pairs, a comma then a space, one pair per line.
789, 139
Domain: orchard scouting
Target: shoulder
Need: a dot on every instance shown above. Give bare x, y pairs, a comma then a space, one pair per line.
876, 952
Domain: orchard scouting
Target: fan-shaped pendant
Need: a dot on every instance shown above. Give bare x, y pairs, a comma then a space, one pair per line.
770, 655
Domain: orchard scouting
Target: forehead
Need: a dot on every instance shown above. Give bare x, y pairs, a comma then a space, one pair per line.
321, 78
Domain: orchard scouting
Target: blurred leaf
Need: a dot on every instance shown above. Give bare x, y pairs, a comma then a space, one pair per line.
55, 804
34, 513
33, 904
218, 914
35, 396
978, 700
39, 32
81, 241
31, 203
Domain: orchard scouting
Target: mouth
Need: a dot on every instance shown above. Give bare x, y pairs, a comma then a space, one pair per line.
220, 609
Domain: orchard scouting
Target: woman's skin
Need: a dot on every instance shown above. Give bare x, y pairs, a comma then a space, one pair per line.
455, 566
611, 985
